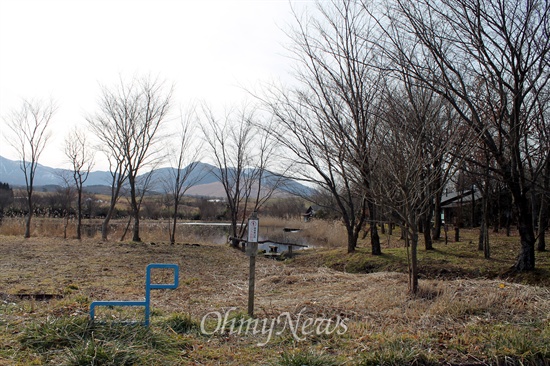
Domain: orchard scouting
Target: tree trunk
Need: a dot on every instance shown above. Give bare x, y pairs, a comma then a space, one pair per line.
234, 241
413, 271
543, 212
485, 217
486, 246
105, 225
437, 189
457, 233
126, 228
526, 258
65, 224
473, 212
483, 226
135, 209
543, 225
481, 239
352, 239
437, 218
79, 214
135, 236
376, 249
428, 242
29, 216
496, 221
173, 229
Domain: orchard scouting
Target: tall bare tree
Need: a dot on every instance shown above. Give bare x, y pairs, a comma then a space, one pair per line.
315, 157
183, 161
331, 115
81, 159
502, 46
130, 117
29, 135
418, 134
242, 154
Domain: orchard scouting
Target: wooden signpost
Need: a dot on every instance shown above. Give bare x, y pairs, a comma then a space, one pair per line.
252, 251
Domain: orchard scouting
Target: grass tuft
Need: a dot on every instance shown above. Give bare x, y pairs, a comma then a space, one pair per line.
55, 333
102, 353
182, 324
86, 343
306, 358
397, 352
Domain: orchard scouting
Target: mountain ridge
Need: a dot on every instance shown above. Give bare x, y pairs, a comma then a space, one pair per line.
204, 175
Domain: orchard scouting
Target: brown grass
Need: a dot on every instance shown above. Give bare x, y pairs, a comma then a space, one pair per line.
456, 321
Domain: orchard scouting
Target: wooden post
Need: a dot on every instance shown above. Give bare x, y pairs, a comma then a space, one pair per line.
252, 251
251, 279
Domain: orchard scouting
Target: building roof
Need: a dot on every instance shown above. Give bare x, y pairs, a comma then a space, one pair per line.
456, 199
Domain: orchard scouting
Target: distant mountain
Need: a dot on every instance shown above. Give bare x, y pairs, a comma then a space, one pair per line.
204, 176
203, 173
11, 173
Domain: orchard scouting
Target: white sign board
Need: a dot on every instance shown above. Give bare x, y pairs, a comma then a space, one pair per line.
253, 228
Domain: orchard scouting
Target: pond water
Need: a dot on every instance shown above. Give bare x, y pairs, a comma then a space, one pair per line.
277, 234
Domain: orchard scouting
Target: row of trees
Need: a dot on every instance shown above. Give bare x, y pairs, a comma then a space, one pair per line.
394, 98
390, 100
135, 133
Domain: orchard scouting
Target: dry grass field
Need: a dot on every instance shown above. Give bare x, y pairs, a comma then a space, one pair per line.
47, 284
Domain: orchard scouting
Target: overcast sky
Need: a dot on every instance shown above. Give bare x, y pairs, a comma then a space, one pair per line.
63, 49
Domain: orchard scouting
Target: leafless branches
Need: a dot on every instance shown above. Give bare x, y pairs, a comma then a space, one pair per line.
184, 159
29, 136
242, 154
81, 158
490, 61
128, 124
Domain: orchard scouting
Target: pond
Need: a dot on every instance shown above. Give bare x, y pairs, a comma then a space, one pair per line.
280, 235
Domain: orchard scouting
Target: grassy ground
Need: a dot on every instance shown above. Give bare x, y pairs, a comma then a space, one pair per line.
470, 310
453, 260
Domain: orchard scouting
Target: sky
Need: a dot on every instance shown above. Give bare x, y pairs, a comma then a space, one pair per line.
65, 49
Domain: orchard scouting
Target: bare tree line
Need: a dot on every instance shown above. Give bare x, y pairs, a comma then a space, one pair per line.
393, 98
391, 102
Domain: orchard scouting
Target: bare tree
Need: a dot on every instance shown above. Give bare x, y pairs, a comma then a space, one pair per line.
29, 136
419, 134
500, 45
183, 160
328, 122
65, 196
315, 156
242, 154
128, 123
81, 159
